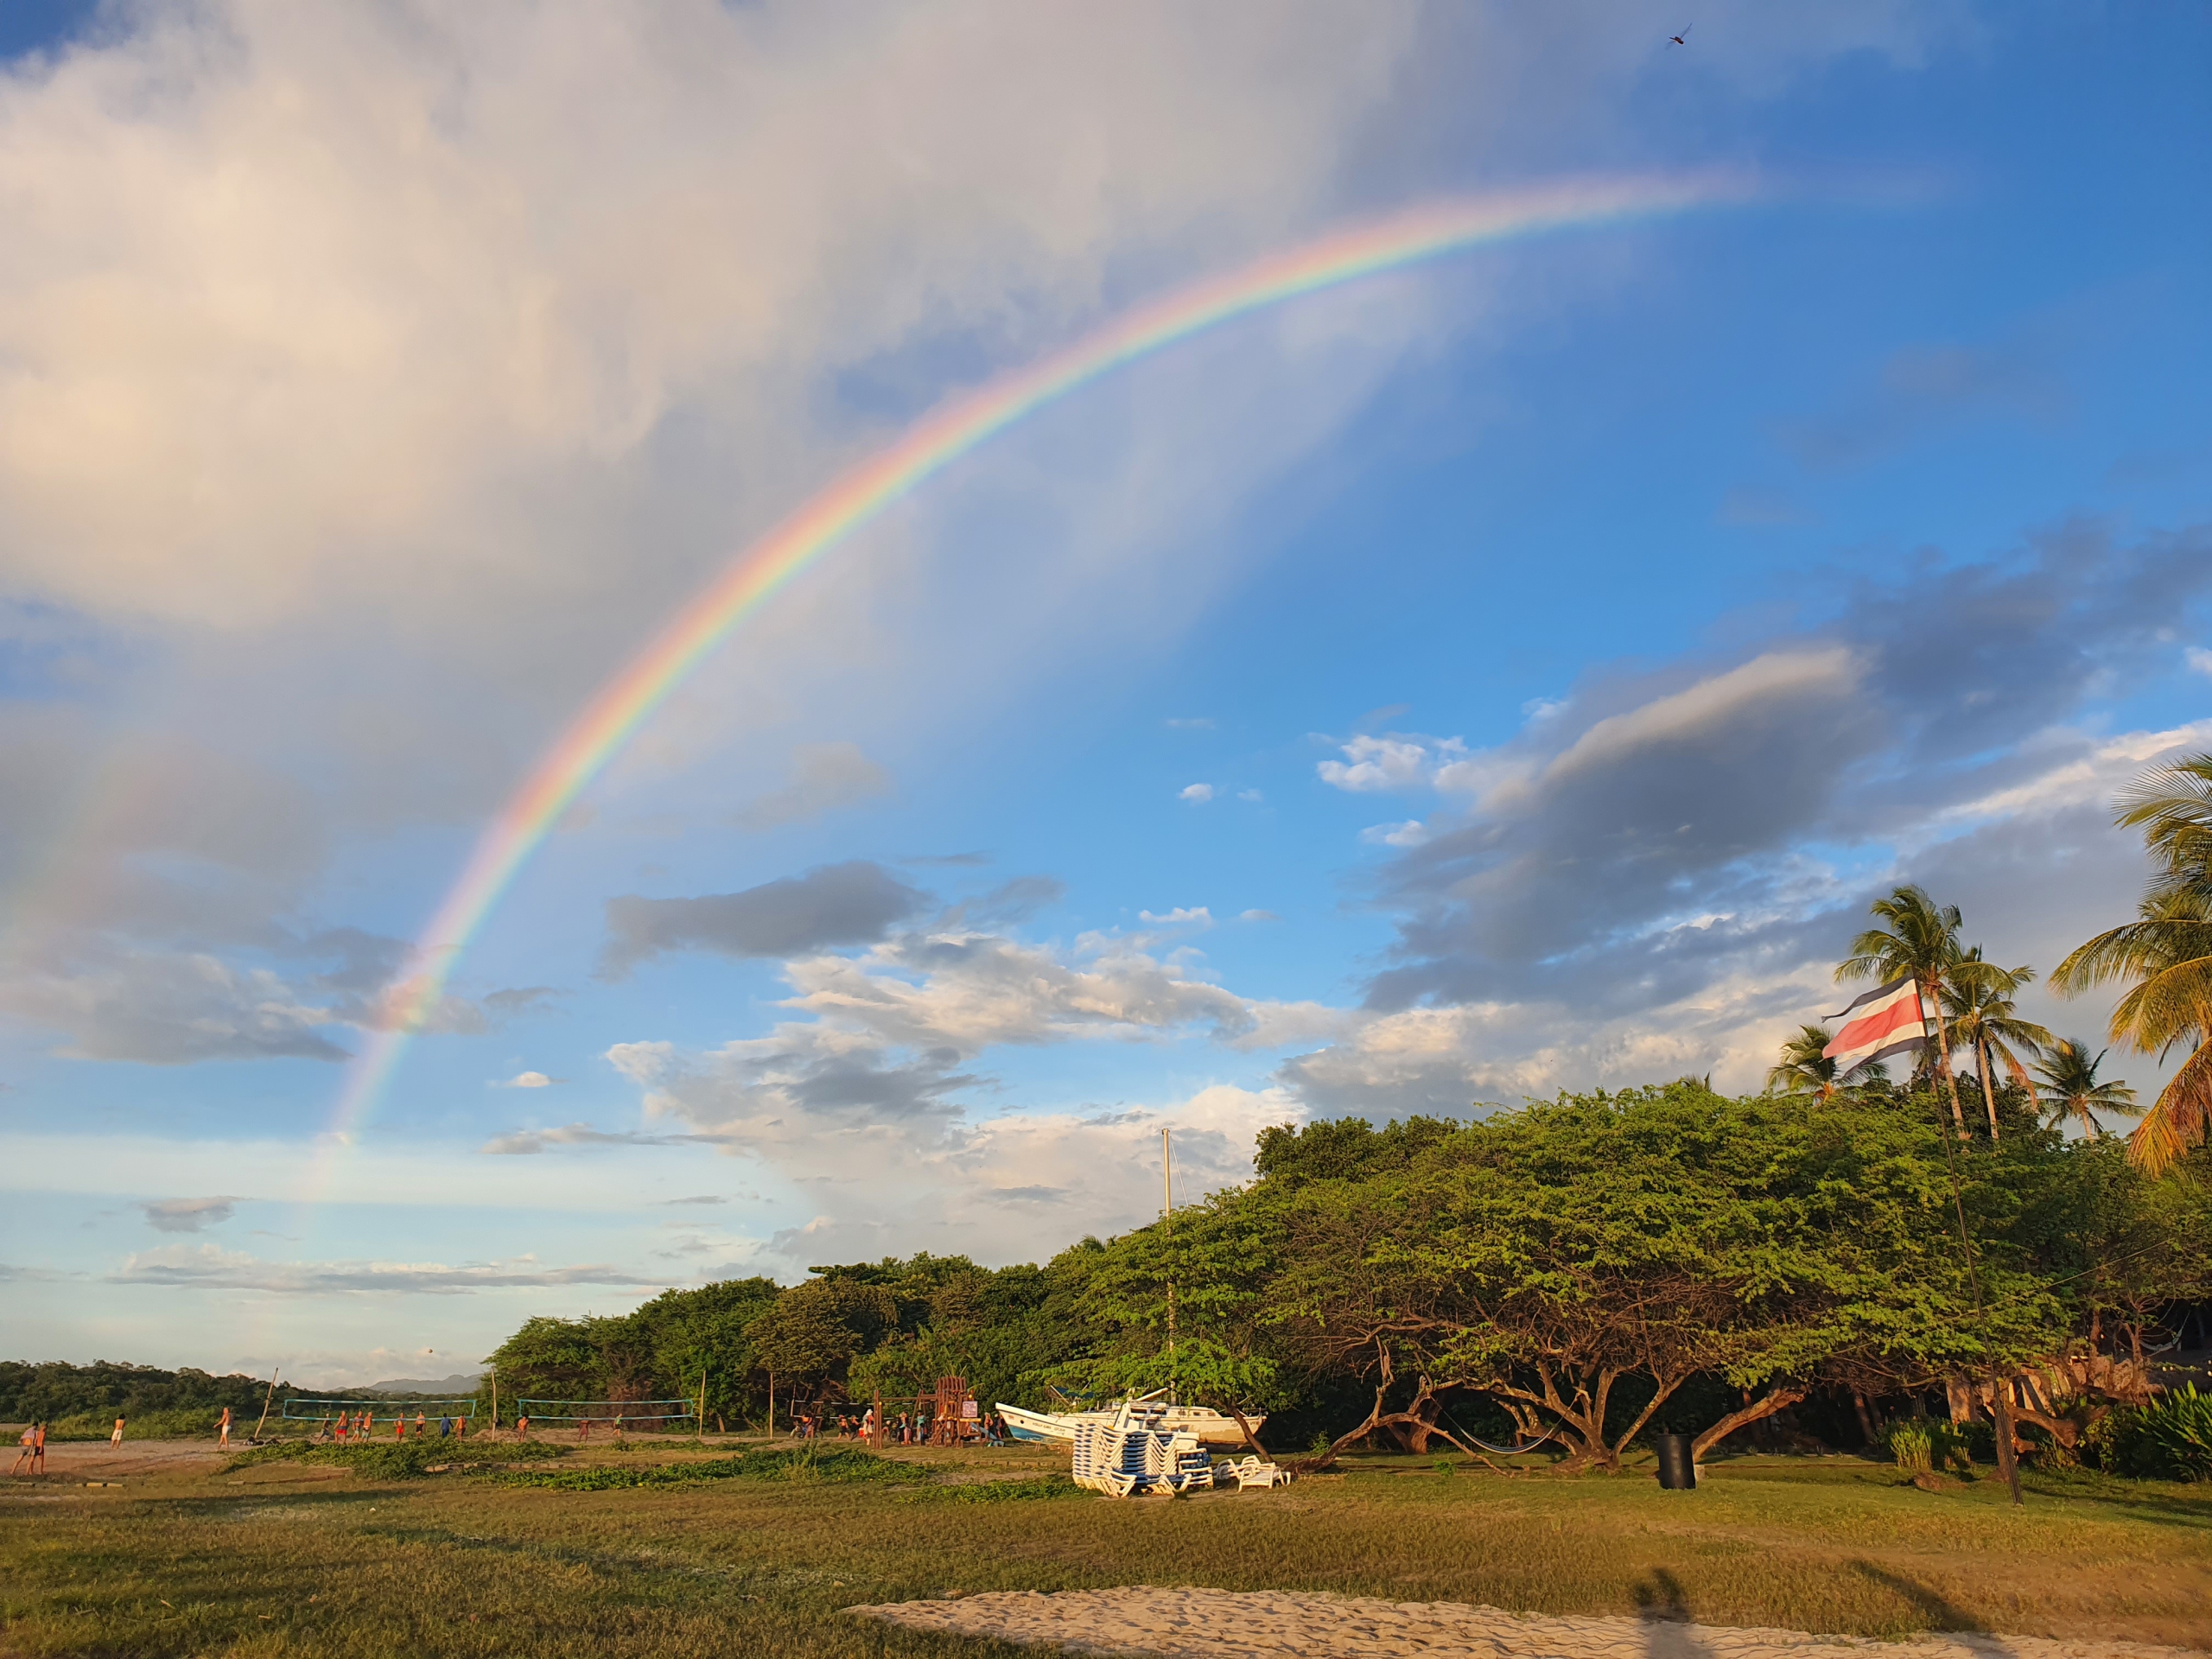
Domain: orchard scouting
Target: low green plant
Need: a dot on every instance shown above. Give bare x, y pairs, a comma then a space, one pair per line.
2171, 1439
1913, 1447
607, 1478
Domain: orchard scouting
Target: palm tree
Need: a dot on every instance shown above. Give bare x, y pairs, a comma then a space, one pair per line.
1921, 940
1984, 1018
1807, 1069
1804, 1070
2071, 1086
2167, 953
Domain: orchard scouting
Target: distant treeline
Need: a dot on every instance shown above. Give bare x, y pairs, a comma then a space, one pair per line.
79, 1397
1595, 1267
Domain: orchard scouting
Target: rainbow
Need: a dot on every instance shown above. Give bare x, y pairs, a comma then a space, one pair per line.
934, 443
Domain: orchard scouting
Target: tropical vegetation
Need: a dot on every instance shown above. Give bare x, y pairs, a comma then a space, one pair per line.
2163, 956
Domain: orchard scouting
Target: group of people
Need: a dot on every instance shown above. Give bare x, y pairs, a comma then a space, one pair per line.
906, 1428
361, 1425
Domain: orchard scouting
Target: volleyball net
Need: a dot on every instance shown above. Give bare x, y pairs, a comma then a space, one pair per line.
381, 1411
626, 1412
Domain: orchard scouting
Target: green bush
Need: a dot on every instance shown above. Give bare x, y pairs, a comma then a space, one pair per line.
1913, 1447
2170, 1438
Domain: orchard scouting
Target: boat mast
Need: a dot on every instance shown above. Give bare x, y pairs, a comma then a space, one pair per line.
1167, 1217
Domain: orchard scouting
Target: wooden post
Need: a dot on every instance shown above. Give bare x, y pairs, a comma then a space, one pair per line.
702, 1404
879, 1437
771, 1405
265, 1400
495, 1399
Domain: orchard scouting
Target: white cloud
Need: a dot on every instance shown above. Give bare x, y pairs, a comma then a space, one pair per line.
2199, 659
1252, 795
1197, 915
1412, 833
527, 1080
1258, 916
1195, 793
1373, 764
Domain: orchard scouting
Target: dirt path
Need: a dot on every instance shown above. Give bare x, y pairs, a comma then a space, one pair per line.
1189, 1624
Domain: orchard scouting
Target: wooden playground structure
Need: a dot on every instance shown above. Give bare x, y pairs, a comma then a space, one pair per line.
951, 1416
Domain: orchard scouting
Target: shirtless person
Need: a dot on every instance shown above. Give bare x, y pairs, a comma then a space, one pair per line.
223, 1429
116, 1439
24, 1457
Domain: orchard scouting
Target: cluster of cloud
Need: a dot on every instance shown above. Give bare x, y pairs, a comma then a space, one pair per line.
209, 1267
1673, 856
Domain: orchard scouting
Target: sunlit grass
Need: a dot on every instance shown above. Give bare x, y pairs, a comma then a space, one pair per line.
280, 1558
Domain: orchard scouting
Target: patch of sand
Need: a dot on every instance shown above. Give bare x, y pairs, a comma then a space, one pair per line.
1197, 1623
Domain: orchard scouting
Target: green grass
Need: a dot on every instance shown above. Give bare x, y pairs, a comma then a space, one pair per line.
280, 1558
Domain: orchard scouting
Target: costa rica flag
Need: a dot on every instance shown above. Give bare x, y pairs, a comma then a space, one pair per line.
1886, 1020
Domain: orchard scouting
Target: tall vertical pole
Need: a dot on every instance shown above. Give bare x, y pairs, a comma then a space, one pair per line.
265, 1402
2000, 1388
1167, 1217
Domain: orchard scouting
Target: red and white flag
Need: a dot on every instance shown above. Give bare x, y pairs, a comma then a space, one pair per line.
1886, 1020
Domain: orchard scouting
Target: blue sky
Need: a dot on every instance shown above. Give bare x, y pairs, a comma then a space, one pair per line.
1510, 673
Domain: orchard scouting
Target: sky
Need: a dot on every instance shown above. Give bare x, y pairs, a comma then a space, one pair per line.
1510, 671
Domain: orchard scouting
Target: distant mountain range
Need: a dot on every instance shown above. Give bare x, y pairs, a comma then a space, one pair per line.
460, 1383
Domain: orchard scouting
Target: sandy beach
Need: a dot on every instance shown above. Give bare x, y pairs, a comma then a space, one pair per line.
1199, 1624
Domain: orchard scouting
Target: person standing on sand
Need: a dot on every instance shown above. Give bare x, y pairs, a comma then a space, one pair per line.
24, 1457
38, 1450
522, 1428
116, 1439
223, 1429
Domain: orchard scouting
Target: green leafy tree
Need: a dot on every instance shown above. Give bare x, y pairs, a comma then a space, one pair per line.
2070, 1087
1979, 1001
2164, 956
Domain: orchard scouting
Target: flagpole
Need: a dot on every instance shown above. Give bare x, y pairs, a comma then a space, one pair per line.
2000, 1401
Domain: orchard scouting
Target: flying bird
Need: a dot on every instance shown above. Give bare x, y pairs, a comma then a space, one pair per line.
1683, 38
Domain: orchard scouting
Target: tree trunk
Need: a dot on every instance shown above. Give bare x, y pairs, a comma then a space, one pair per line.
1865, 1417
1944, 1046
1988, 1093
1756, 1411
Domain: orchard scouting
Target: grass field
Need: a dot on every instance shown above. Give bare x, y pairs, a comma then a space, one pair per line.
624, 1552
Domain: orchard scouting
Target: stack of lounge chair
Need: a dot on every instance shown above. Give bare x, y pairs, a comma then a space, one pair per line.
1128, 1459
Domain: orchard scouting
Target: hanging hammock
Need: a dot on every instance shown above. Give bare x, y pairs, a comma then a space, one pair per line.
1502, 1451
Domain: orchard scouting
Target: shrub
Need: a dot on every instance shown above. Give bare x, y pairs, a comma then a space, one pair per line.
1913, 1447
2170, 1438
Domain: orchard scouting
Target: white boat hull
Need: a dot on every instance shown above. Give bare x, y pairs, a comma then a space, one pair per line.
1048, 1427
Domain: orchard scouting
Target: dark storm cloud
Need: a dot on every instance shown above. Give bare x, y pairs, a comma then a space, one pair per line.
855, 903
1655, 841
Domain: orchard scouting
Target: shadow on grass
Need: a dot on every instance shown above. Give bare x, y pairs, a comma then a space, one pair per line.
1665, 1610
1940, 1615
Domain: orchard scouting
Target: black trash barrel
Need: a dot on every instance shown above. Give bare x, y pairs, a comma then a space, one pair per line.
1676, 1472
